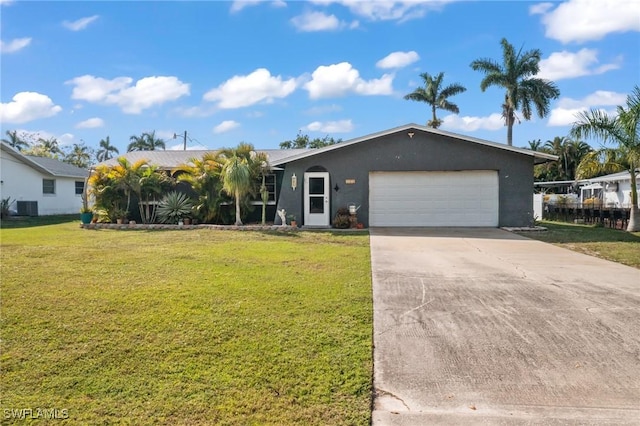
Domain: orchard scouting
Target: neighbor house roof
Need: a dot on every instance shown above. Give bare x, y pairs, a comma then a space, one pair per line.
538, 157
172, 159
614, 177
48, 166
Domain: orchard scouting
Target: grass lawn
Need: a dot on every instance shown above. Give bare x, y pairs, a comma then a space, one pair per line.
612, 244
186, 327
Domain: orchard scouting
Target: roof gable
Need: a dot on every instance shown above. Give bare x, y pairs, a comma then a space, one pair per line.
538, 157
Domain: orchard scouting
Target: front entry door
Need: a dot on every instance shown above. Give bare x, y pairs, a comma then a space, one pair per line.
316, 199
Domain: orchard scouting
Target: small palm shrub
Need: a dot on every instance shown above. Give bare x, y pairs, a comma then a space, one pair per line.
173, 207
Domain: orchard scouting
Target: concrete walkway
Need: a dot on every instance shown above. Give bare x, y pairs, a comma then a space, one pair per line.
481, 326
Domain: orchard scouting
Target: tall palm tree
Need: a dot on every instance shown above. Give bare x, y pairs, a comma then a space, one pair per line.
106, 150
624, 130
137, 143
534, 145
236, 178
14, 140
80, 156
516, 76
437, 96
243, 156
153, 143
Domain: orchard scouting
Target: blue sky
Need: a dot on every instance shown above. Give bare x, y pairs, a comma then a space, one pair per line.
260, 71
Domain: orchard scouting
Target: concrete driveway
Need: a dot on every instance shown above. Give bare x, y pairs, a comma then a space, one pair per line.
481, 326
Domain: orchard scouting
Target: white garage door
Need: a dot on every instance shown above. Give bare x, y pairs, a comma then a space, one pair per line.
463, 198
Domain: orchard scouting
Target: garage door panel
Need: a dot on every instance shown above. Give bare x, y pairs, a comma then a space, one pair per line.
464, 198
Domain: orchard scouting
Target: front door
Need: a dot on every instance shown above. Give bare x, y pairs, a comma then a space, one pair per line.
316, 199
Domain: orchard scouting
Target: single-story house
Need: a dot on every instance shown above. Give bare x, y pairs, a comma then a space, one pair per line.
39, 185
410, 175
612, 190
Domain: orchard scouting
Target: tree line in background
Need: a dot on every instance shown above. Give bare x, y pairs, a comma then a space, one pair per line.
217, 179
83, 156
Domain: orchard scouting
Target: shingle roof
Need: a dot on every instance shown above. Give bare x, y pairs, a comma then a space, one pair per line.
48, 166
59, 168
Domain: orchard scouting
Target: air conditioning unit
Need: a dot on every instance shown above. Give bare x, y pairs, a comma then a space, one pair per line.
27, 208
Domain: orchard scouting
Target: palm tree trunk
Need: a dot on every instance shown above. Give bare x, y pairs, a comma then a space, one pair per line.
510, 120
434, 122
238, 221
634, 216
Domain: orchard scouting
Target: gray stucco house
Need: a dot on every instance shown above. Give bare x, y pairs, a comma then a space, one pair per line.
410, 175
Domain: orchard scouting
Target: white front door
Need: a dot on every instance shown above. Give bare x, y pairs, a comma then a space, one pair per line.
316, 199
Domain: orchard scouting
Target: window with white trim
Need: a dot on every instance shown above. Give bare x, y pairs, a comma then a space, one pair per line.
79, 187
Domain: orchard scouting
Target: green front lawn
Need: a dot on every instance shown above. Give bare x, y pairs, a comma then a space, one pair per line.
611, 244
186, 327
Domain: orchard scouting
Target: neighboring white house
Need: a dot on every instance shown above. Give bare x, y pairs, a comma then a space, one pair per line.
40, 186
613, 190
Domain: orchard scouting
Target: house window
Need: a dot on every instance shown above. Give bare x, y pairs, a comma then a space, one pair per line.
270, 183
79, 187
48, 186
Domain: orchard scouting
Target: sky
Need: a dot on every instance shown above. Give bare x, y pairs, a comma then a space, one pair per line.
262, 71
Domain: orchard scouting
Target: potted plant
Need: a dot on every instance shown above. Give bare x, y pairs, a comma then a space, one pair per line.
86, 213
174, 207
120, 215
292, 220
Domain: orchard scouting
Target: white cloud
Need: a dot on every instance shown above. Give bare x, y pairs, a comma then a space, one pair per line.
6, 2
565, 64
398, 60
245, 90
470, 124
318, 21
565, 113
238, 5
28, 106
540, 8
341, 126
91, 123
226, 126
340, 79
79, 24
14, 45
147, 92
389, 10
586, 20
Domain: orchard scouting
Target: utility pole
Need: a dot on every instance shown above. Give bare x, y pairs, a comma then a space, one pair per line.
175, 135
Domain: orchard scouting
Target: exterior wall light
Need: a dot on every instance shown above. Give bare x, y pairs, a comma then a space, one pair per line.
410, 135
294, 182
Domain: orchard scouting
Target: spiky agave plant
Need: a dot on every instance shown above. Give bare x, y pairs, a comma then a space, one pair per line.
173, 207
